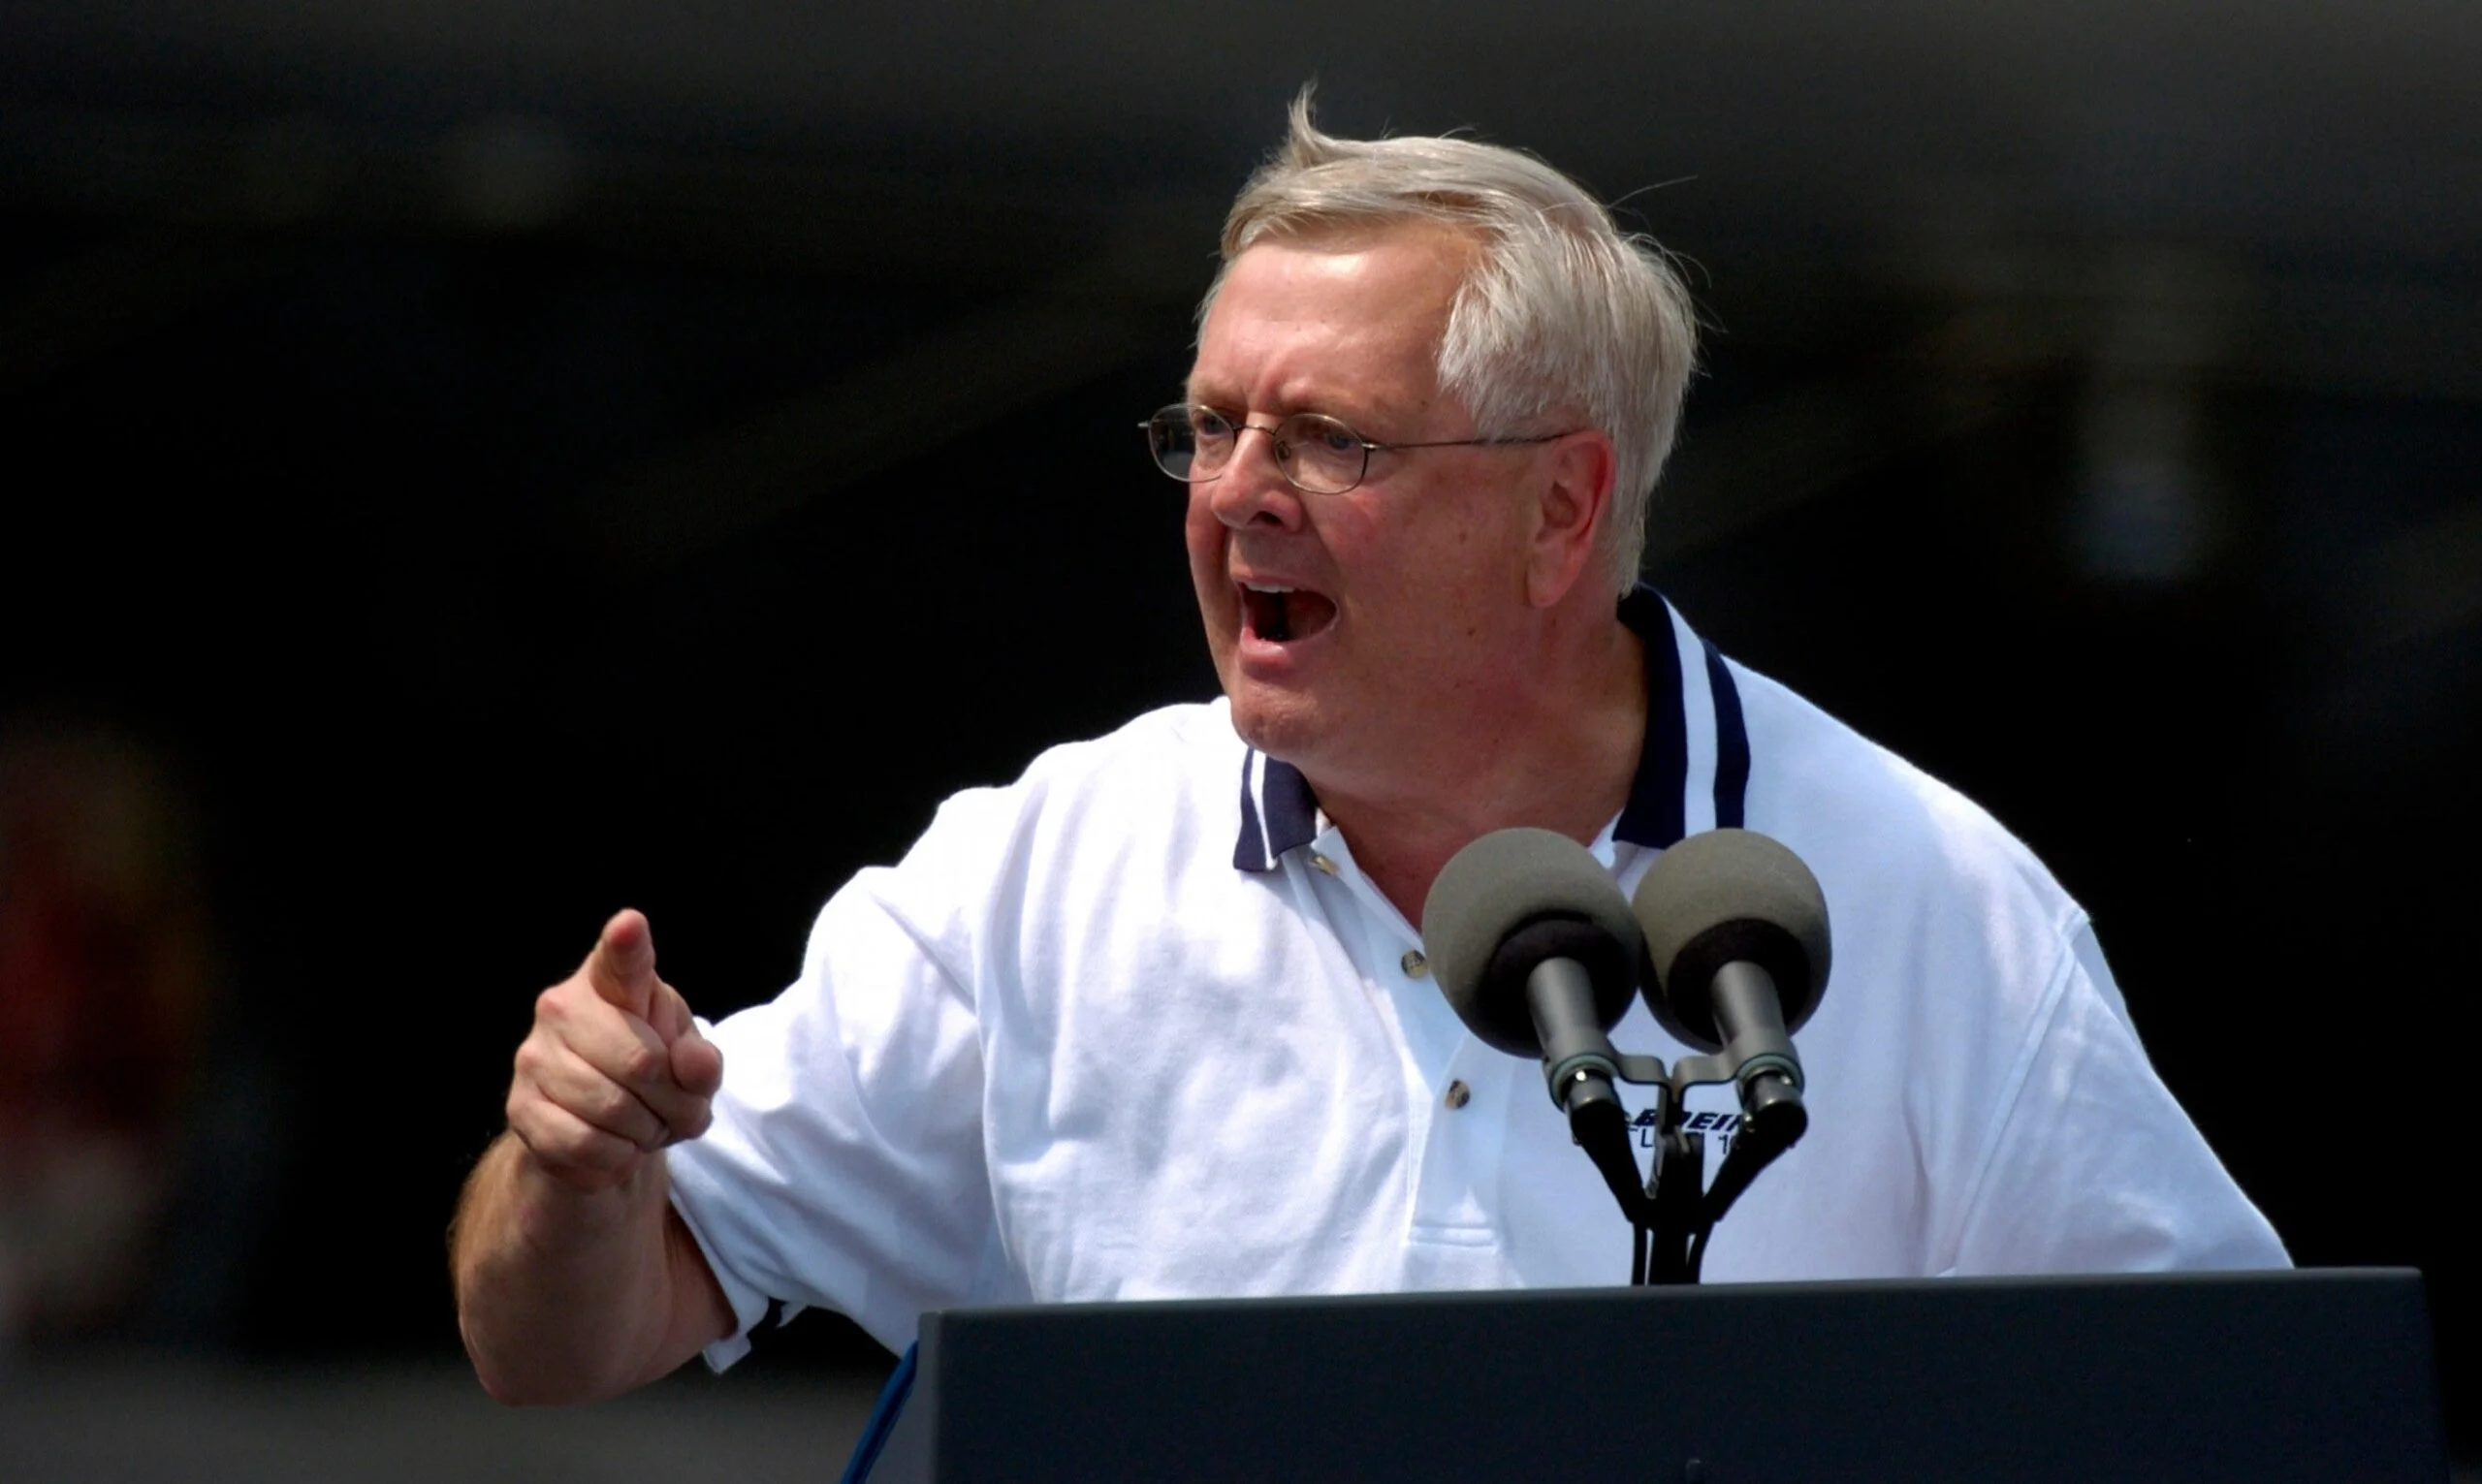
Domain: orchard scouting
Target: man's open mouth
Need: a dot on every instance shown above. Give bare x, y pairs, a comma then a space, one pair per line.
1282, 614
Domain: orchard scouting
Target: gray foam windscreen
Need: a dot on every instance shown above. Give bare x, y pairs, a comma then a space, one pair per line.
1723, 896
1538, 884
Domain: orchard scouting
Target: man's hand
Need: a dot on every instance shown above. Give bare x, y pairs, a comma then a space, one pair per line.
614, 1069
575, 1279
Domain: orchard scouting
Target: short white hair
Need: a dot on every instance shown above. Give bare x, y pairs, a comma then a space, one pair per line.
1563, 317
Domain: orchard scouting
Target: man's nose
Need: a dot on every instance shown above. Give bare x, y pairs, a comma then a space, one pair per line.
1251, 489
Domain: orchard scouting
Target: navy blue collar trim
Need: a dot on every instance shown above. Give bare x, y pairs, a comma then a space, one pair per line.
1280, 813
1277, 811
1655, 810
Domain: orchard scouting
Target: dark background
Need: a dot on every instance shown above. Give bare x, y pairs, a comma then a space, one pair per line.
495, 465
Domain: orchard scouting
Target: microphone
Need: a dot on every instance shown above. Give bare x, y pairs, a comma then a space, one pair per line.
1538, 954
1737, 937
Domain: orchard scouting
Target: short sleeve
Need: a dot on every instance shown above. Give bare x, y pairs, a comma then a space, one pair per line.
845, 1167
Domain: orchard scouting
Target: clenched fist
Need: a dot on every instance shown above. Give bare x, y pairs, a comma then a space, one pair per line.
614, 1068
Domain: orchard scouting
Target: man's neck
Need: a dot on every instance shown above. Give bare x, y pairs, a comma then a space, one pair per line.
1558, 756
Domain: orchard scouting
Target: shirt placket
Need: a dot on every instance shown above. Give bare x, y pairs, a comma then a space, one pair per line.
1457, 1089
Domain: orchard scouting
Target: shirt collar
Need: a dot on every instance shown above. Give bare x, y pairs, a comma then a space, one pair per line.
1693, 768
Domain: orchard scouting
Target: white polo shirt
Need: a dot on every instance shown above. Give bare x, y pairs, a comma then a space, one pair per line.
1080, 1045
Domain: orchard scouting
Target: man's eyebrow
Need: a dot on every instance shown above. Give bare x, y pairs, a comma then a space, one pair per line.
1281, 407
1237, 408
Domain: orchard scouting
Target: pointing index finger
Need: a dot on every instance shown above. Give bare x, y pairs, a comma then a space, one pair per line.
622, 966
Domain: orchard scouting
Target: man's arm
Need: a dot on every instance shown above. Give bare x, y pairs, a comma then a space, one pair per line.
575, 1279
2093, 1166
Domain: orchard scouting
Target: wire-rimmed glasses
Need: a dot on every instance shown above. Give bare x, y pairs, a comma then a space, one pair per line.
1315, 454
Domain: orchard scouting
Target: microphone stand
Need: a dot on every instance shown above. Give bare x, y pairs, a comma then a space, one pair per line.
1673, 1206
1673, 1218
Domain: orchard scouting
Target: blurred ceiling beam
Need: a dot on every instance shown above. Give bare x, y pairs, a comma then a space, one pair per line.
515, 176
937, 391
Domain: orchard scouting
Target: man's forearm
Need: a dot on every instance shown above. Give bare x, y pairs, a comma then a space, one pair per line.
565, 1295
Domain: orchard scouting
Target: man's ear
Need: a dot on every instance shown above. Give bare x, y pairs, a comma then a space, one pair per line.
1572, 504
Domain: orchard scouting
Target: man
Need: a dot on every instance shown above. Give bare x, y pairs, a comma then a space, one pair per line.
1080, 1044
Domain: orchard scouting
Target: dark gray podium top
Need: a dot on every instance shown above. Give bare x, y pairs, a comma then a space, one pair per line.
2320, 1376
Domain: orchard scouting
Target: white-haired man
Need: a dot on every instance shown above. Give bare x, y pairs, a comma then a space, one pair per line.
1154, 1019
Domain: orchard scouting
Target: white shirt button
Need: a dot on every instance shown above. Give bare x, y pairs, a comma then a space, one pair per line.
1324, 864
1458, 1096
1413, 963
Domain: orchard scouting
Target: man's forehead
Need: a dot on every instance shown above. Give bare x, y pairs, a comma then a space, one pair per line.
1423, 243
1421, 265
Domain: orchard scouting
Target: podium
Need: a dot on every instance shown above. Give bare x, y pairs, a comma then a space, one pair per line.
2319, 1375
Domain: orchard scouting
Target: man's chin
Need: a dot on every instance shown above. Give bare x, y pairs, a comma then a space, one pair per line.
1280, 725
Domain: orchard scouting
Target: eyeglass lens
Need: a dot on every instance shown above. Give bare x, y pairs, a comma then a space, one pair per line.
1318, 454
